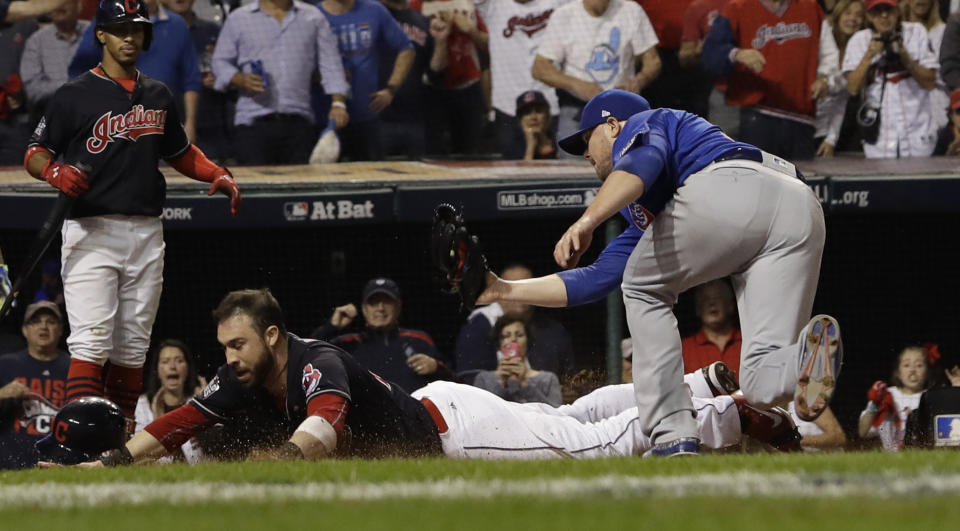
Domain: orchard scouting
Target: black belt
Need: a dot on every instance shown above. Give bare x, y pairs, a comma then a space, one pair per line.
755, 155
740, 153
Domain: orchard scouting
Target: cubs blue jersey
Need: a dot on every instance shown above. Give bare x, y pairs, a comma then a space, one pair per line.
663, 147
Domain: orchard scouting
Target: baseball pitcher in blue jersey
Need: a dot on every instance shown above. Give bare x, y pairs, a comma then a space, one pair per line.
700, 206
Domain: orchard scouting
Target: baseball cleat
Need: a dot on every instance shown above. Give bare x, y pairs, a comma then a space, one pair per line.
771, 426
721, 379
676, 448
821, 355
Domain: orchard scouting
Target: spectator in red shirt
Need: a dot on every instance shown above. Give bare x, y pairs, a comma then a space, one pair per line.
719, 336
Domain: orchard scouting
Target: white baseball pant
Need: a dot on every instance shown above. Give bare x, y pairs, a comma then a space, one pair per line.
112, 279
482, 425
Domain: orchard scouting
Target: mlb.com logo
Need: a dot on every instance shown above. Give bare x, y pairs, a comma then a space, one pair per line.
948, 430
296, 211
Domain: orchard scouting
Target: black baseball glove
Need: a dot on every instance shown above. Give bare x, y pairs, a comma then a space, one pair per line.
458, 260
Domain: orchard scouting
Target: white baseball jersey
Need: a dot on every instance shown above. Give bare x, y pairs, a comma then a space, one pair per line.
598, 49
516, 30
891, 431
907, 128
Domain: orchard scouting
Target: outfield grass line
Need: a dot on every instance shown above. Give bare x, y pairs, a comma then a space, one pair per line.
744, 485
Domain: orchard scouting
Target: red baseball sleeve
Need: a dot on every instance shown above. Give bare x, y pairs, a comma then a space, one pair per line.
331, 407
196, 165
178, 426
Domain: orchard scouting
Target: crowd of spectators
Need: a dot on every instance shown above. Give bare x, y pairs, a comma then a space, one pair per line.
258, 80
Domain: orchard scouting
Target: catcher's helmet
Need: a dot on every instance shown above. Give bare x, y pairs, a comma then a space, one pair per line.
111, 12
82, 430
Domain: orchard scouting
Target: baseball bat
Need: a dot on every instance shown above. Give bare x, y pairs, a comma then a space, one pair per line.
48, 231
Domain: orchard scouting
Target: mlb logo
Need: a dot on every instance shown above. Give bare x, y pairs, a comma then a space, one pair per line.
948, 430
296, 210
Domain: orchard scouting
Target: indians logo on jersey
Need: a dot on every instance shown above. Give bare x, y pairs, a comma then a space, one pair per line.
780, 33
310, 380
130, 126
528, 24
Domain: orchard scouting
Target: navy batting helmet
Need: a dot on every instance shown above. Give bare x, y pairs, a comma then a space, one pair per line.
82, 430
111, 12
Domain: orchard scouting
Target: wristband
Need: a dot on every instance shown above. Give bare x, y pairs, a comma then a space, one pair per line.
119, 457
392, 89
340, 104
871, 408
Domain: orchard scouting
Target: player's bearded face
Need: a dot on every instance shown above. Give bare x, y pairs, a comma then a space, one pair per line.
123, 42
247, 351
263, 367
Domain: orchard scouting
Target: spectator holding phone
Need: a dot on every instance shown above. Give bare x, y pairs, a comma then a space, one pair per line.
514, 379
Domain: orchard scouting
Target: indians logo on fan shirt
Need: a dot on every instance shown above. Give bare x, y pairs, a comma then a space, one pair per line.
130, 126
528, 24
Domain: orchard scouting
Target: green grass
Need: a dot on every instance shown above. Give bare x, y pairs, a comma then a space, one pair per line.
590, 509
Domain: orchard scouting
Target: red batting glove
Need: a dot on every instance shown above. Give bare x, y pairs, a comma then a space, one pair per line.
877, 392
224, 182
69, 179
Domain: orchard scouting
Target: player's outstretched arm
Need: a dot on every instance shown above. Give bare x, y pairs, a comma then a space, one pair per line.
315, 438
194, 164
549, 291
619, 190
142, 448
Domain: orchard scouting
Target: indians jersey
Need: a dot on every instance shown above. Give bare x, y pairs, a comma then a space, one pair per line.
788, 38
380, 419
516, 30
93, 123
46, 379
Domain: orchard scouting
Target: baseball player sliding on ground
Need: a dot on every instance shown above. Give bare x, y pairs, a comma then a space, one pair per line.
99, 142
700, 206
333, 406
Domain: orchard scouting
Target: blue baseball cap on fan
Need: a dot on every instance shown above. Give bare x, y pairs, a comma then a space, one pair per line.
619, 104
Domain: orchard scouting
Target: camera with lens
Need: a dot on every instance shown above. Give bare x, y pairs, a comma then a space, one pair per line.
891, 46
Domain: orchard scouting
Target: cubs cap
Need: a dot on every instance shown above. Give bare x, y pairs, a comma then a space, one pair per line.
619, 104
530, 99
381, 285
870, 4
41, 306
